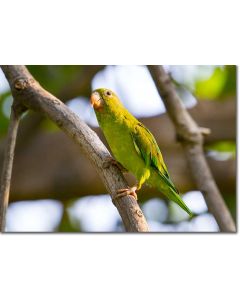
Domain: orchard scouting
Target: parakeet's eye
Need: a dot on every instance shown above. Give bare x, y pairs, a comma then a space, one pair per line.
108, 93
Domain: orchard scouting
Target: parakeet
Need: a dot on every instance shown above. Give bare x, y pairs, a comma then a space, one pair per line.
133, 146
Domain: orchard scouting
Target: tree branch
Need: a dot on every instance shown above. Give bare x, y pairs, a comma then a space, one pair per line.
39, 174
16, 112
28, 92
191, 138
77, 85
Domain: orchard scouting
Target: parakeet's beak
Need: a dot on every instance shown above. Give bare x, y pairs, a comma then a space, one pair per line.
96, 101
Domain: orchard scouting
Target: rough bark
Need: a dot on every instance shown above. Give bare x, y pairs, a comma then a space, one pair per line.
28, 92
79, 85
191, 137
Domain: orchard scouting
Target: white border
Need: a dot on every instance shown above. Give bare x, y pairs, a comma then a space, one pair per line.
97, 266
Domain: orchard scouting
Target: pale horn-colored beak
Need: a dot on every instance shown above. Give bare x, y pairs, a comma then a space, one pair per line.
96, 100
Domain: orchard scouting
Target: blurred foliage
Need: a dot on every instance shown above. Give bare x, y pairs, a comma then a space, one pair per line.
66, 82
54, 78
220, 84
67, 223
49, 126
4, 121
230, 87
230, 200
4, 118
223, 146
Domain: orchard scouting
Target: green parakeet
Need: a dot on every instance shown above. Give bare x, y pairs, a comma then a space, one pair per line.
133, 146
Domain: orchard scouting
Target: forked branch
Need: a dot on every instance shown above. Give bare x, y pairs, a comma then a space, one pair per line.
28, 92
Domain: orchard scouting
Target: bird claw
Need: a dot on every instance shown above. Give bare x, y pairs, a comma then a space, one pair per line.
127, 192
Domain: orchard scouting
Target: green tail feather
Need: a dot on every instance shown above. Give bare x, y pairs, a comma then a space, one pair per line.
172, 195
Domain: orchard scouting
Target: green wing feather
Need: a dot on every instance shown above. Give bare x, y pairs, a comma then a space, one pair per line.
147, 147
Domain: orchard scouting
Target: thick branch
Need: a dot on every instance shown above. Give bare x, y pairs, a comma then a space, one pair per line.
27, 91
78, 85
8, 163
192, 140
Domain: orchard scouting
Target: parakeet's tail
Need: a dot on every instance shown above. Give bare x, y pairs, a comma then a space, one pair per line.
172, 195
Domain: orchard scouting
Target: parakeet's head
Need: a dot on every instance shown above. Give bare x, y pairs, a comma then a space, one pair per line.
104, 100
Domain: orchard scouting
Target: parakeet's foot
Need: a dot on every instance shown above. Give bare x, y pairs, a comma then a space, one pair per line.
127, 192
111, 161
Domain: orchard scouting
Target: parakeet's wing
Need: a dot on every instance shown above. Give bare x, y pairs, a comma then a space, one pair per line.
147, 147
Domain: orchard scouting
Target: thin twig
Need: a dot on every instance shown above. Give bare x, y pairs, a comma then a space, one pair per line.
27, 91
8, 163
191, 137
